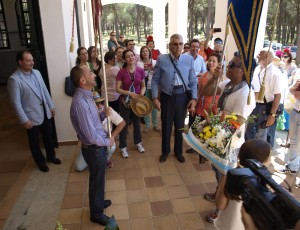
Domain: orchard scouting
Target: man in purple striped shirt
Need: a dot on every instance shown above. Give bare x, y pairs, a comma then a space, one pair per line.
87, 124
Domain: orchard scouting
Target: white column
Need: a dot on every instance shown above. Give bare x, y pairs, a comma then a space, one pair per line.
178, 17
57, 38
83, 23
159, 27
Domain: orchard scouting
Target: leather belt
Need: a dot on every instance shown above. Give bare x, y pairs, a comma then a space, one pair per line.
91, 146
178, 86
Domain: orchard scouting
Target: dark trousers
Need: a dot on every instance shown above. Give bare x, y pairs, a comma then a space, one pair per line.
95, 158
34, 143
173, 111
127, 115
115, 106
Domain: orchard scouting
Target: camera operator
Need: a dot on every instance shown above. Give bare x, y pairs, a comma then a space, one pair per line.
229, 206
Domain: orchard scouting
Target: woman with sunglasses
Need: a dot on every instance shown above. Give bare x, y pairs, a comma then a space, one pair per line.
288, 66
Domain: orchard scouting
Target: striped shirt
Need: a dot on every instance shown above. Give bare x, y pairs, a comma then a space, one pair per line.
85, 119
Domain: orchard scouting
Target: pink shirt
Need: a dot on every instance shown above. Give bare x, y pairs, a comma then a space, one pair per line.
124, 77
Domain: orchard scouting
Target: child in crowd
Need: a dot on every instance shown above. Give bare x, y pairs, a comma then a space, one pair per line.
229, 216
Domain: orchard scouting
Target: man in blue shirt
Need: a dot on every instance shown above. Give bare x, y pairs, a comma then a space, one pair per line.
85, 120
113, 43
174, 76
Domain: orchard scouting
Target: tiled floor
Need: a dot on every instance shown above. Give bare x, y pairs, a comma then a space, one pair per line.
145, 194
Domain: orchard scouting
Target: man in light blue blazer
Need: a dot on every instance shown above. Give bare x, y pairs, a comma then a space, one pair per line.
174, 76
34, 108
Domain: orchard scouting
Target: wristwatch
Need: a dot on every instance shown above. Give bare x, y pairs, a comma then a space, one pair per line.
272, 114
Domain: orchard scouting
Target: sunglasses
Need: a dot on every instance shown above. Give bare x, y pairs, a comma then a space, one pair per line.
285, 56
231, 65
219, 42
186, 47
121, 37
219, 52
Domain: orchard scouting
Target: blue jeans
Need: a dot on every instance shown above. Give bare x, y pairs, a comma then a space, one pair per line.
96, 160
294, 133
153, 114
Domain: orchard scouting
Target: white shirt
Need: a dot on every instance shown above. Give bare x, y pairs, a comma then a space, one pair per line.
272, 81
199, 64
149, 73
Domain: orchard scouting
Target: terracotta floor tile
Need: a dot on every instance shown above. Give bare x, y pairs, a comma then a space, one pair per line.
11, 166
166, 223
196, 189
183, 205
2, 224
190, 221
72, 226
79, 176
187, 167
135, 183
115, 185
117, 197
123, 224
161, 208
211, 187
148, 162
120, 211
208, 176
135, 196
86, 215
202, 167
151, 171
157, 194
142, 223
191, 178
171, 180
8, 178
179, 191
114, 174
91, 226
70, 216
168, 169
3, 190
72, 201
203, 205
155, 181
76, 188
133, 173
139, 210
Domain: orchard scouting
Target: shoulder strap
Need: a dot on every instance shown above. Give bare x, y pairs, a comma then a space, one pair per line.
178, 72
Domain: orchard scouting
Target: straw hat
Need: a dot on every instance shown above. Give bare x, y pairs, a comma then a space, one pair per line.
142, 107
97, 97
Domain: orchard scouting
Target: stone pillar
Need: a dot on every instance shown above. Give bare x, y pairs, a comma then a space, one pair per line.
178, 17
261, 28
159, 29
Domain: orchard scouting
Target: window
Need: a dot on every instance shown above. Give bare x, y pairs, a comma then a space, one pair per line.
4, 41
24, 24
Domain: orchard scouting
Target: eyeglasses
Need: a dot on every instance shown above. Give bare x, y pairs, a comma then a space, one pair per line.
177, 44
231, 65
285, 56
186, 47
219, 51
219, 42
131, 44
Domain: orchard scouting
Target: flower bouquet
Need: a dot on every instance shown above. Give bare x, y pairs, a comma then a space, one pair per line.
218, 138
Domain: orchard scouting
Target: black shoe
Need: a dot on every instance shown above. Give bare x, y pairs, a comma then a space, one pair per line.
103, 219
163, 158
180, 158
55, 161
190, 151
107, 203
44, 168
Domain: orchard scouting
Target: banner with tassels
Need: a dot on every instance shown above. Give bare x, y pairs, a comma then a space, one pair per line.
243, 17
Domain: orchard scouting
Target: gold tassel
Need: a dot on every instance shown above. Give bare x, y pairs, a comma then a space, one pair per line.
72, 45
249, 97
261, 93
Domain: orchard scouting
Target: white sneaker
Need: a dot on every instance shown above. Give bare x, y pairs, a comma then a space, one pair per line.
140, 147
124, 153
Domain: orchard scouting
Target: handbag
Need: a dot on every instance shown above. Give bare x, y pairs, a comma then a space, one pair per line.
69, 87
269, 107
187, 91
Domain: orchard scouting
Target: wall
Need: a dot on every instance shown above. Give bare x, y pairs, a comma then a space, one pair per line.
57, 27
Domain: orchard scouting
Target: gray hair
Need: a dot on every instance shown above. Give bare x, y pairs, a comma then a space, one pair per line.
176, 36
270, 52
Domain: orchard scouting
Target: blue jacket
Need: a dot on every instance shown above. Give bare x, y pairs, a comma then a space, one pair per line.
25, 100
164, 75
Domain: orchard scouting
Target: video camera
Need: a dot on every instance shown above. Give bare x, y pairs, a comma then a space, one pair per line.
270, 206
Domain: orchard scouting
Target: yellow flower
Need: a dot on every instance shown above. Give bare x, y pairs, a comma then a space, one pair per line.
201, 135
214, 131
207, 128
208, 134
212, 144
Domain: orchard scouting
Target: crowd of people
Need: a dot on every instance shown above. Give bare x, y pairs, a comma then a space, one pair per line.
184, 80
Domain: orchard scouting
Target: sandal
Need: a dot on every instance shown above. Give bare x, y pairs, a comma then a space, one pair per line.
109, 164
212, 216
209, 196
